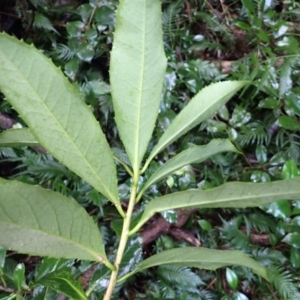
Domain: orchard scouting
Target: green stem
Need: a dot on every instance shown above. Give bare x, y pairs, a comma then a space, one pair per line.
123, 240
125, 166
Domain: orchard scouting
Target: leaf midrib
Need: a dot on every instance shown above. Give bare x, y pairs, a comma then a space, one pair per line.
141, 85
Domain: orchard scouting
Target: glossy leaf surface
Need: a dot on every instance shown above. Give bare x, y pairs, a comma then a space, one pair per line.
232, 279
60, 280
41, 222
280, 209
189, 156
290, 169
19, 276
17, 138
295, 257
288, 122
292, 239
202, 258
200, 108
56, 114
232, 194
137, 73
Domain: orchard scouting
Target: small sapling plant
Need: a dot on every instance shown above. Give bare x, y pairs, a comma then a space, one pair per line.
42, 222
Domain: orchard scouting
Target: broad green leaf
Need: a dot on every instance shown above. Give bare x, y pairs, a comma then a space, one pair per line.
288, 122
200, 108
286, 82
232, 194
202, 258
191, 155
280, 209
17, 138
292, 239
61, 281
50, 264
44, 293
250, 6
19, 276
137, 73
56, 115
290, 169
41, 222
295, 257
232, 279
261, 154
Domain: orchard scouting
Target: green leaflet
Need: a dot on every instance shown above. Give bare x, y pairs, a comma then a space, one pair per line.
189, 156
61, 281
202, 258
56, 115
137, 73
288, 122
17, 138
232, 194
41, 222
200, 108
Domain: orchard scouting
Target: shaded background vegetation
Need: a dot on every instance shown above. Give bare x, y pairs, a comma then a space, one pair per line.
205, 41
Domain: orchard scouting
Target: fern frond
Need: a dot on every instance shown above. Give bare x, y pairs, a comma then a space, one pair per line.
254, 133
179, 275
6, 152
194, 294
167, 291
259, 222
42, 167
231, 234
282, 280
170, 19
268, 257
106, 106
42, 22
293, 15
293, 152
63, 52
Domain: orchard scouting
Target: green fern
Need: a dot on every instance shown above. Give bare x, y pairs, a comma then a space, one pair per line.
43, 167
293, 15
6, 152
254, 133
195, 294
283, 281
269, 257
63, 52
171, 20
231, 234
167, 291
42, 22
259, 222
179, 275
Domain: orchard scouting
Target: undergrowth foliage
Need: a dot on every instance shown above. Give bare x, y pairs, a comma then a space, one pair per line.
205, 42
